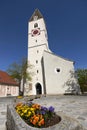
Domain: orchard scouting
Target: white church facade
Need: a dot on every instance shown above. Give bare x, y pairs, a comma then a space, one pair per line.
52, 74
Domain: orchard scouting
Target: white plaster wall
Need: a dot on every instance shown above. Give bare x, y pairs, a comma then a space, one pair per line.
13, 90
56, 81
33, 57
41, 39
2, 90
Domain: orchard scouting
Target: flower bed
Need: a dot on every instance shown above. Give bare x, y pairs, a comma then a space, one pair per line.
36, 115
16, 122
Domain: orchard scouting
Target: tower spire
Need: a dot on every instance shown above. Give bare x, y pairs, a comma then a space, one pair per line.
37, 14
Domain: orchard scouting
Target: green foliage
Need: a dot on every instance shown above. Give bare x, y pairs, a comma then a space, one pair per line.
19, 72
82, 78
15, 71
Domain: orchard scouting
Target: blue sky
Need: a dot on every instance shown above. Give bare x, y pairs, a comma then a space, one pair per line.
66, 22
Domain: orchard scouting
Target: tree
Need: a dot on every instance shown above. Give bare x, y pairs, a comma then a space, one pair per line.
19, 73
82, 78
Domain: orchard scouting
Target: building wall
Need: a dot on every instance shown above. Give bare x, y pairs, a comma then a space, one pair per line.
35, 60
59, 76
6, 90
42, 38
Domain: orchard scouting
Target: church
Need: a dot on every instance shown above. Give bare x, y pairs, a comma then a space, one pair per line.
52, 74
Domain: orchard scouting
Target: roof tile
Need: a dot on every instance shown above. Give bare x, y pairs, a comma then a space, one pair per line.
5, 78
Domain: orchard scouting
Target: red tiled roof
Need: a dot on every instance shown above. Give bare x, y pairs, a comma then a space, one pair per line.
5, 78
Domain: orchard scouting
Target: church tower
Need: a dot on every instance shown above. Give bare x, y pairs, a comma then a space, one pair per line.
37, 43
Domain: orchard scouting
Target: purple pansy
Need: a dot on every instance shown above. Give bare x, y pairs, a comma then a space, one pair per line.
43, 112
51, 109
44, 108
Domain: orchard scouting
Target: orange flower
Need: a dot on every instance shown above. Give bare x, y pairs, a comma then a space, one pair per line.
19, 104
34, 116
31, 120
37, 119
41, 122
34, 122
37, 106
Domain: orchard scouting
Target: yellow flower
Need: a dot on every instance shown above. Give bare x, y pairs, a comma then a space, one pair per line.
21, 114
33, 112
32, 109
19, 97
25, 111
29, 113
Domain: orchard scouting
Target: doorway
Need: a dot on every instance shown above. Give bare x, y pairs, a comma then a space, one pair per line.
38, 89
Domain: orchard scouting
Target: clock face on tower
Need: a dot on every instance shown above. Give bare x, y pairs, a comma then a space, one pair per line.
35, 32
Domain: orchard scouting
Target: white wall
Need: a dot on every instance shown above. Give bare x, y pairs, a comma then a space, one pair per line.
36, 46
56, 82
8, 90
41, 39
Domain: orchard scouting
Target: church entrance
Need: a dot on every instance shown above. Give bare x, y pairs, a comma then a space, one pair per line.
38, 88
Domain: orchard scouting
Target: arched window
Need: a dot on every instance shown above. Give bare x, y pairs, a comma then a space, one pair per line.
35, 25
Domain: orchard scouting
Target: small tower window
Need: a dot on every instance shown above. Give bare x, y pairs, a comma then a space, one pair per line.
35, 40
35, 18
35, 25
37, 51
36, 61
37, 71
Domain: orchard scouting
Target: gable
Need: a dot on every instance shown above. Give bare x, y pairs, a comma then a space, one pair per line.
36, 13
56, 57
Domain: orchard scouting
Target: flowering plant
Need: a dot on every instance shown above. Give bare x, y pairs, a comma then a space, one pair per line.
35, 114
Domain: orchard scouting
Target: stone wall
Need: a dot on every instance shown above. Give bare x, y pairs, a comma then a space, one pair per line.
15, 122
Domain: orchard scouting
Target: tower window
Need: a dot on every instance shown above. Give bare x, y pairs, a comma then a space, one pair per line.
35, 25
37, 71
37, 51
35, 40
35, 18
36, 61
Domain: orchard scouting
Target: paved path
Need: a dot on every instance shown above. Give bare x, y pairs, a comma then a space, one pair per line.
73, 106
3, 111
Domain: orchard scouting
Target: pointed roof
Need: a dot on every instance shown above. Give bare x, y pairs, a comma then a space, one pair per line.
36, 13
7, 79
